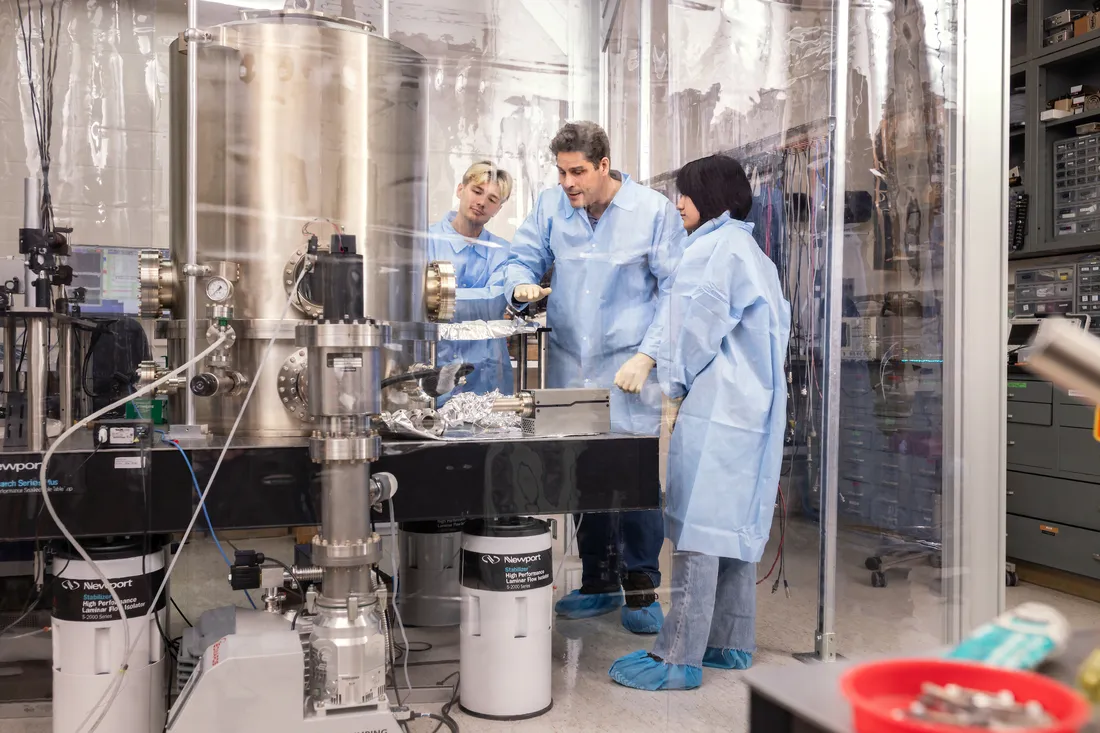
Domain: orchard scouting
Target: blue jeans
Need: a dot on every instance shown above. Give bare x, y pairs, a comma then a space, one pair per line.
713, 605
614, 543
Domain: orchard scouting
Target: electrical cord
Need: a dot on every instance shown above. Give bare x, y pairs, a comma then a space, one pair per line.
112, 690
180, 612
111, 693
395, 555
205, 510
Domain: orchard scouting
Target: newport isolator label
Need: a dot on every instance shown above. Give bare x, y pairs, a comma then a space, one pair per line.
75, 599
505, 572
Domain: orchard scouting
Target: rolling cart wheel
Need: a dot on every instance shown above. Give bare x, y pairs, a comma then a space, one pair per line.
873, 563
1011, 579
878, 580
935, 560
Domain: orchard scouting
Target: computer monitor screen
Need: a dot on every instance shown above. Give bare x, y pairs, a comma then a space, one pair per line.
110, 277
1021, 332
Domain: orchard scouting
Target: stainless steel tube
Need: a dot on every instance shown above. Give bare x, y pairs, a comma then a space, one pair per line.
521, 362
31, 220
543, 338
192, 196
65, 370
345, 518
37, 370
11, 378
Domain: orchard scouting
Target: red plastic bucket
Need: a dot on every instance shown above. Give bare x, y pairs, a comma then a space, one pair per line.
875, 690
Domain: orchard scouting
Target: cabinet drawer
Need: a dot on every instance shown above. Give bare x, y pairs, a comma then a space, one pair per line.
1029, 391
1073, 416
1078, 451
858, 439
1054, 545
1032, 445
1032, 413
1056, 499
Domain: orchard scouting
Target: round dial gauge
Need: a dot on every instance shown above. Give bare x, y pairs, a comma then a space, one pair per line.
218, 289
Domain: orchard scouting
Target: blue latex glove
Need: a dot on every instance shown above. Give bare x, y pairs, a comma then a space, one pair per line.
641, 671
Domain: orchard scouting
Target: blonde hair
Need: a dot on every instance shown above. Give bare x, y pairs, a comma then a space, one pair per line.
484, 172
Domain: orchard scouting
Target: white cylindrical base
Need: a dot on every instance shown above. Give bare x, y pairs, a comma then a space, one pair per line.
428, 593
507, 607
89, 644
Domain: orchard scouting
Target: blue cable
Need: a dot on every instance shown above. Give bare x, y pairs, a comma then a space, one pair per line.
209, 524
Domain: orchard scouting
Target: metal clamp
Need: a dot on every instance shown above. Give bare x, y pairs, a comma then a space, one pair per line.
345, 448
157, 279
366, 551
439, 290
366, 334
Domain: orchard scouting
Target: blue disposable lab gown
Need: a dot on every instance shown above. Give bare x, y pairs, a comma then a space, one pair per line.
479, 277
609, 283
727, 332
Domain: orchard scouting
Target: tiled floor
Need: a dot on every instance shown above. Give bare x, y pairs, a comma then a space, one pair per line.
905, 615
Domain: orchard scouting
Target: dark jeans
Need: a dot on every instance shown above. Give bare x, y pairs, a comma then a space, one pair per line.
614, 543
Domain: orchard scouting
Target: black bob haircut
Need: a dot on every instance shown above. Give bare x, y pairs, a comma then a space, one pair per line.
716, 184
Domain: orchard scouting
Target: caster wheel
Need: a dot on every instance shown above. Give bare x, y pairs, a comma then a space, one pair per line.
878, 580
935, 560
872, 563
1011, 579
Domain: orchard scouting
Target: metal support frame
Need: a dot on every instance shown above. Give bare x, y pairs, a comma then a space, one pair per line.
975, 283
191, 206
645, 92
825, 634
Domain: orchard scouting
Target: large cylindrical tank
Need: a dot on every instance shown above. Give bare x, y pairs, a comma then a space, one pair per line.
505, 634
307, 125
89, 638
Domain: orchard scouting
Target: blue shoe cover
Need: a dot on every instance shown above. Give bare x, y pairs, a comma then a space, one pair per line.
646, 620
726, 658
588, 605
642, 672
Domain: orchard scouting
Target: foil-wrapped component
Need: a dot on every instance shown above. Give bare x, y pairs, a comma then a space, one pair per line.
477, 410
425, 424
485, 330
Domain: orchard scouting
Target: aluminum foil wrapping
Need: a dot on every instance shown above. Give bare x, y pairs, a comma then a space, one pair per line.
477, 410
484, 330
424, 424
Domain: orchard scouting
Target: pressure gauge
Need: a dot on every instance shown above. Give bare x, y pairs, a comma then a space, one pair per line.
218, 289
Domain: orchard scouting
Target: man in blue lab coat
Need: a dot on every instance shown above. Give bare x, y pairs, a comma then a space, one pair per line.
614, 246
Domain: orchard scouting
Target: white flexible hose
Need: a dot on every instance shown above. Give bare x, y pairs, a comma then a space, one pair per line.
44, 488
109, 696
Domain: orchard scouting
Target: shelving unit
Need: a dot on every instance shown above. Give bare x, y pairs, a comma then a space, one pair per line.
1047, 72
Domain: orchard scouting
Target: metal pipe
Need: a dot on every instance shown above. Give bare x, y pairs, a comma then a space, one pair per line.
192, 197
32, 214
522, 404
65, 371
542, 337
345, 518
825, 638
386, 18
38, 366
11, 378
521, 362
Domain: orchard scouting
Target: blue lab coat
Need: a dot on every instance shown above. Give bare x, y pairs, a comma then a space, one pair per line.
609, 282
479, 277
727, 332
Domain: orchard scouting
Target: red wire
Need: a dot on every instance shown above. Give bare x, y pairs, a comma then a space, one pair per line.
782, 535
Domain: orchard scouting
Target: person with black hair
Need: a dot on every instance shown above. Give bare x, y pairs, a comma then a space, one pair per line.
613, 246
725, 336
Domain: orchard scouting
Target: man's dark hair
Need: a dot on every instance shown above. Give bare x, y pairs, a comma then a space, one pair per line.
582, 137
716, 184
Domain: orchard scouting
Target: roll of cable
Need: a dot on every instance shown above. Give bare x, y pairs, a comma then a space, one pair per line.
507, 606
88, 638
